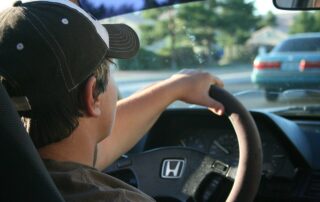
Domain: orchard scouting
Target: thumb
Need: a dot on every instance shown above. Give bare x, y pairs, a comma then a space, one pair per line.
214, 106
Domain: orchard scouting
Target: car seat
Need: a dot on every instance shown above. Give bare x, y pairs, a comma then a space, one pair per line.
23, 174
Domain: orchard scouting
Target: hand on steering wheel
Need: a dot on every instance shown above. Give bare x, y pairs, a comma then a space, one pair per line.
157, 176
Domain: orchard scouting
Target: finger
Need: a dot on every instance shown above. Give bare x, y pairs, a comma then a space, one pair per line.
217, 81
214, 106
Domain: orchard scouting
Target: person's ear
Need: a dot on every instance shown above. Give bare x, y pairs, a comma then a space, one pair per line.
92, 104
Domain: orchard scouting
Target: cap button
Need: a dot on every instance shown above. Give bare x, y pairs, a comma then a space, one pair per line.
17, 3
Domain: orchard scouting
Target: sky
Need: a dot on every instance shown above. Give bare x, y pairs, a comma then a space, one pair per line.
263, 6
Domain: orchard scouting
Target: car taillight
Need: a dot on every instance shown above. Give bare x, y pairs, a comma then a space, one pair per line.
266, 65
309, 65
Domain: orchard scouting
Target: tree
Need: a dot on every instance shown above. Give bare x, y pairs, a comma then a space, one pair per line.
232, 23
213, 23
237, 19
202, 14
268, 20
164, 26
306, 22
316, 16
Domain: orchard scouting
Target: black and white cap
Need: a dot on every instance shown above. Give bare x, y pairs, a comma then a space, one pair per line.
49, 42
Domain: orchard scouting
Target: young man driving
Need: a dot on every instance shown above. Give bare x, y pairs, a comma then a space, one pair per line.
57, 56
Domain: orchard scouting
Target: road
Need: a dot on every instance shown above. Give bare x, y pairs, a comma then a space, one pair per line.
131, 81
236, 80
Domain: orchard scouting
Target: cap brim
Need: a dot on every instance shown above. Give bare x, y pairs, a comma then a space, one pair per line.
123, 41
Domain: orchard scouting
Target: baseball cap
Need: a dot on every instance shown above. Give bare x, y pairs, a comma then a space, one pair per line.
45, 43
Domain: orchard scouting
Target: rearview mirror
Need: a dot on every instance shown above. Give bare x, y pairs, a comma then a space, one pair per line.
297, 4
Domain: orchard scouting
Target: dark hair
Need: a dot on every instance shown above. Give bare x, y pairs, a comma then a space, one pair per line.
58, 117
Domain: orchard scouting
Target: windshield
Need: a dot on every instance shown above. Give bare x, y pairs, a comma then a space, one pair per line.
231, 39
226, 37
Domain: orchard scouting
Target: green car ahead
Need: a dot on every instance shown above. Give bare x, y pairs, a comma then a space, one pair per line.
293, 63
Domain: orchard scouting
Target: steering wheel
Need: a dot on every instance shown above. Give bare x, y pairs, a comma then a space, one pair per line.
177, 172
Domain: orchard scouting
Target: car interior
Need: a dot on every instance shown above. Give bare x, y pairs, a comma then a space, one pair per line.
246, 155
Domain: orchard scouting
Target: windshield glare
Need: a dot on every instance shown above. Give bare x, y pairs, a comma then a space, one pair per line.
231, 39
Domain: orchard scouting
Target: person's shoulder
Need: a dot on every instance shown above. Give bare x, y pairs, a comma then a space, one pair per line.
63, 166
115, 188
78, 182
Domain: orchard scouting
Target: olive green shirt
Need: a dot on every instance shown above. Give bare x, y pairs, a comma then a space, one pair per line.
78, 182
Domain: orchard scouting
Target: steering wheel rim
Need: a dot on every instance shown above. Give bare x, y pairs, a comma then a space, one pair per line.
248, 174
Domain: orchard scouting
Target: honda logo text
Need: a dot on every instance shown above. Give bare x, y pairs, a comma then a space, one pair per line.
172, 168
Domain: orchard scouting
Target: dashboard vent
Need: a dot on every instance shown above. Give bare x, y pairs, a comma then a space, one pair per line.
313, 190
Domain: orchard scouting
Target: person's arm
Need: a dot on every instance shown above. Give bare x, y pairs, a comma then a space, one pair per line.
137, 113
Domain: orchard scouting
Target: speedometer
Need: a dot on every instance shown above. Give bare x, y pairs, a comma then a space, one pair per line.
225, 148
195, 142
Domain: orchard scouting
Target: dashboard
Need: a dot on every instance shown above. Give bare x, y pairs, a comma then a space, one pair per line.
215, 136
291, 163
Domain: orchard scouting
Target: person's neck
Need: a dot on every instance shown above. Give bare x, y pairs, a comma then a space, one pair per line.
79, 147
